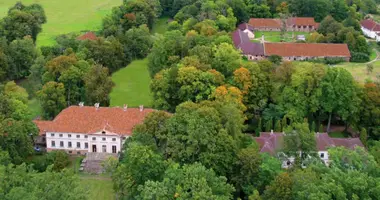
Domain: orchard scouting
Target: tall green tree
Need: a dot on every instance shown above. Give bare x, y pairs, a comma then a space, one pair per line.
52, 98
98, 85
21, 54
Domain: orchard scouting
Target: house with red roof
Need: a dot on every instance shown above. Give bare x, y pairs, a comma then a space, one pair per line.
306, 24
81, 129
273, 144
370, 29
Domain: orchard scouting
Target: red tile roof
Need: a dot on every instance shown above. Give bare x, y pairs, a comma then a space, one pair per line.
87, 36
306, 49
273, 142
265, 23
88, 120
301, 21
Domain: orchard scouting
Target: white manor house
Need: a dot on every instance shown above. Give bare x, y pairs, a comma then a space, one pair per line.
81, 129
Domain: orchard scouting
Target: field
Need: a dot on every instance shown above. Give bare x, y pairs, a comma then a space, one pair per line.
359, 70
275, 36
132, 85
66, 16
99, 188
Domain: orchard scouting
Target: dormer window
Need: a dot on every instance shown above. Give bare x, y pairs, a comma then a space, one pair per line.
322, 155
103, 132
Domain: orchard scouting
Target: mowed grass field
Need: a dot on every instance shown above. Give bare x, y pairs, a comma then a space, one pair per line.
359, 70
66, 16
132, 85
98, 188
275, 36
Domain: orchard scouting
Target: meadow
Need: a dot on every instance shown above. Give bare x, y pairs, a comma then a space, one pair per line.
359, 70
98, 187
132, 85
275, 36
66, 16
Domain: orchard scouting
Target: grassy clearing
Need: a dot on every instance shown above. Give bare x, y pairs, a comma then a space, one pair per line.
99, 188
161, 25
338, 135
373, 55
35, 108
66, 16
132, 85
359, 70
275, 36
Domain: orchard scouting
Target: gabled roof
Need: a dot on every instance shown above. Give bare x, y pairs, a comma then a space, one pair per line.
370, 25
88, 120
242, 42
265, 23
306, 49
87, 36
273, 142
245, 26
301, 21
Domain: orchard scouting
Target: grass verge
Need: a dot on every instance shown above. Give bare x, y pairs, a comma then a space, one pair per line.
98, 188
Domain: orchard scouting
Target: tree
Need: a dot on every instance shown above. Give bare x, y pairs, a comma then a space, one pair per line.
339, 11
138, 41
22, 21
240, 10
363, 136
280, 188
188, 182
369, 114
60, 160
139, 165
277, 126
318, 9
22, 54
98, 85
52, 98
299, 142
275, 59
226, 59
369, 68
339, 95
259, 11
23, 183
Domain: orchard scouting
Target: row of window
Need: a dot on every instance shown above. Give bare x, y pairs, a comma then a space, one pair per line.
85, 136
69, 144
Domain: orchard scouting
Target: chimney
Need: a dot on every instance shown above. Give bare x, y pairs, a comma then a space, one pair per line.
81, 104
141, 108
271, 132
96, 105
125, 107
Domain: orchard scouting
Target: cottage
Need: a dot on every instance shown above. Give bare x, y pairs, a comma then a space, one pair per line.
371, 29
248, 29
273, 144
306, 24
253, 51
87, 36
81, 129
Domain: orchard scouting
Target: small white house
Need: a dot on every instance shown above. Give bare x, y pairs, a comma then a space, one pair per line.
246, 28
371, 29
82, 129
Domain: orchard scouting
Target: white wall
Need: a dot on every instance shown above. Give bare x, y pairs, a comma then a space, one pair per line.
64, 137
251, 35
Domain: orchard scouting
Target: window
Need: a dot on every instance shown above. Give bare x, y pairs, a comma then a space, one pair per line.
94, 138
86, 145
104, 139
78, 144
78, 136
61, 143
103, 132
53, 143
322, 155
69, 135
113, 148
69, 144
60, 135
86, 136
104, 148
70, 151
52, 134
78, 152
114, 139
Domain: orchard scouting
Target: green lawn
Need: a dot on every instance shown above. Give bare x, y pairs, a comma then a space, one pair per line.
35, 107
132, 85
67, 16
359, 70
99, 188
338, 135
161, 25
275, 36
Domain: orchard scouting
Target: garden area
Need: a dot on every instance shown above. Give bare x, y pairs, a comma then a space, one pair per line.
275, 36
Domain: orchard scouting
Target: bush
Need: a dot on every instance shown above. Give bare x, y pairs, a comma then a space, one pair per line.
275, 59
60, 159
359, 57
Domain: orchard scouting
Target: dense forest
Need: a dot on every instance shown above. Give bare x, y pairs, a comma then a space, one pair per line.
210, 103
